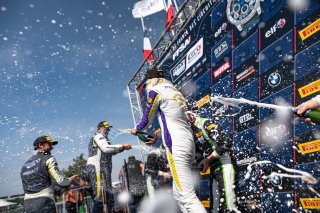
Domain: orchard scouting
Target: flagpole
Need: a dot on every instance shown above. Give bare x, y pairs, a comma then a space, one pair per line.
176, 6
165, 4
142, 22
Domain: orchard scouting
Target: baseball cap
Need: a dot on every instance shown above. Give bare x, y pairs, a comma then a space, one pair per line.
43, 139
104, 124
154, 73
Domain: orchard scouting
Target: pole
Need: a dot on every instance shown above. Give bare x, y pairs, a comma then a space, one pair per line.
142, 22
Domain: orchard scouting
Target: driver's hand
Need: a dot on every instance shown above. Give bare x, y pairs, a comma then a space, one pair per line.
126, 146
205, 164
133, 131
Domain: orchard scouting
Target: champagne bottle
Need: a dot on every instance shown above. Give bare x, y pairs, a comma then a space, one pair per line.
313, 114
143, 136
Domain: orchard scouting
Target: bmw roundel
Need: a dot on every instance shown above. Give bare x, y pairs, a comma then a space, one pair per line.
276, 180
274, 79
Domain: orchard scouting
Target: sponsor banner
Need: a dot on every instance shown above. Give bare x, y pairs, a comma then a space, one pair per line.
276, 79
248, 115
278, 25
246, 72
245, 50
277, 202
307, 61
222, 48
308, 147
279, 52
313, 7
308, 87
310, 203
308, 31
194, 54
314, 169
282, 97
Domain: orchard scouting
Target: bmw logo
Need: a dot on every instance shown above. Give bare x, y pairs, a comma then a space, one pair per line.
274, 79
276, 180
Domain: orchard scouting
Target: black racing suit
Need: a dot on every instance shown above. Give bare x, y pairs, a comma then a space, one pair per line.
211, 140
38, 174
135, 183
99, 169
156, 162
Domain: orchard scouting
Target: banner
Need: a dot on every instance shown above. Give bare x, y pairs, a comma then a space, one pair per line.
147, 7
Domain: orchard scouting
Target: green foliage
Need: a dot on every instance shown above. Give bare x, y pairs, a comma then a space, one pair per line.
77, 168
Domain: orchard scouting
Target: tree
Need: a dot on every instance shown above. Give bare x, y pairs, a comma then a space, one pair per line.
77, 168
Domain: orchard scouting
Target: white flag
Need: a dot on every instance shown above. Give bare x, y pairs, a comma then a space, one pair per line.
147, 7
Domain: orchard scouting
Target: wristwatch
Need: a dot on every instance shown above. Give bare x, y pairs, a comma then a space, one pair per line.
240, 12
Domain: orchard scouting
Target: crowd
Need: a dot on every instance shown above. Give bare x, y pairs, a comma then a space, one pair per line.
186, 138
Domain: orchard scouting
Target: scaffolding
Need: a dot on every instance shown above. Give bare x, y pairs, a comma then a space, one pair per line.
180, 21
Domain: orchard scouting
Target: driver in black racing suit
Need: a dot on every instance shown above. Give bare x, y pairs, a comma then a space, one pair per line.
214, 148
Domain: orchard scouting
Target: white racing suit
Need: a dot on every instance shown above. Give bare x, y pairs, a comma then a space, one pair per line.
168, 103
317, 99
100, 162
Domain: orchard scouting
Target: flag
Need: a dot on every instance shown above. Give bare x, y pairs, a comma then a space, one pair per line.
147, 48
147, 7
170, 13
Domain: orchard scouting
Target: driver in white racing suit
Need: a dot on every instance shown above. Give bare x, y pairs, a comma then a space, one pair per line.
169, 104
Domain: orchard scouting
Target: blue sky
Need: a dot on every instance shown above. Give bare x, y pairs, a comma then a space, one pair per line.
64, 67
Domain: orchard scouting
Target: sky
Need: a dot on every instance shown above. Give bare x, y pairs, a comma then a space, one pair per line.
65, 66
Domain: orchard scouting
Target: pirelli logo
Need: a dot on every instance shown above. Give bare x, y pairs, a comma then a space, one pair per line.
309, 89
203, 101
207, 172
310, 30
206, 203
309, 147
310, 203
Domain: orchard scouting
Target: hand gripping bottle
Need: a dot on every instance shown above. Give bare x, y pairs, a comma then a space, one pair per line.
144, 137
313, 114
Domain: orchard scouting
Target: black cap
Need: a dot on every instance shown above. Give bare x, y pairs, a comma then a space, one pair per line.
104, 124
154, 73
43, 139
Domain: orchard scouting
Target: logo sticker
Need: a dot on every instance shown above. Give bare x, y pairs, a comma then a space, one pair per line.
280, 24
203, 101
310, 30
309, 89
181, 48
194, 54
309, 147
245, 118
221, 29
245, 73
274, 79
222, 69
223, 47
310, 203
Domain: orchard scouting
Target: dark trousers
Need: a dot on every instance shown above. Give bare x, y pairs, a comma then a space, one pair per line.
41, 204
